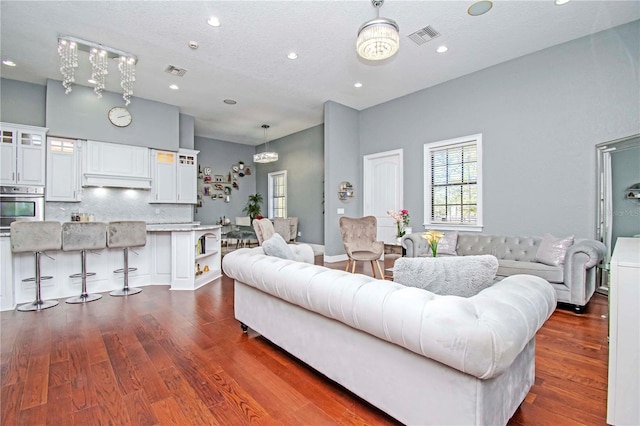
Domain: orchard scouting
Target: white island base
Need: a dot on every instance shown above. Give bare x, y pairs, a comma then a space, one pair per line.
171, 257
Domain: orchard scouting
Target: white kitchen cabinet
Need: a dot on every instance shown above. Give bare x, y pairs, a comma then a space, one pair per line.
163, 176
195, 257
22, 154
624, 334
111, 164
187, 177
63, 170
174, 176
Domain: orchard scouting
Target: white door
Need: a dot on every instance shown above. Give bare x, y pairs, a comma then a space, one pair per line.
383, 190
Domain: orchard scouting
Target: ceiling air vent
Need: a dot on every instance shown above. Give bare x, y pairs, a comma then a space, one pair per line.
175, 71
424, 35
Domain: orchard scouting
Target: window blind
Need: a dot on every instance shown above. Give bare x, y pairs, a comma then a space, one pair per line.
454, 184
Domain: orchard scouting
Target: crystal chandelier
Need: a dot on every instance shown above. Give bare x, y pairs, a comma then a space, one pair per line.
99, 56
99, 69
266, 156
68, 51
378, 38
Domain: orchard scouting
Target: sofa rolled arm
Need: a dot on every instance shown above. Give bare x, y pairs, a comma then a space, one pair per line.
304, 252
594, 250
415, 245
579, 272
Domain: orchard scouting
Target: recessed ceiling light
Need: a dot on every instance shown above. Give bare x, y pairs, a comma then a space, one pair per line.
358, 85
173, 87
9, 63
292, 55
442, 49
561, 2
480, 8
230, 102
91, 81
213, 21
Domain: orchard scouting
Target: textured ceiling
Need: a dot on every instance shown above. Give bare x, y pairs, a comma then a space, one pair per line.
245, 58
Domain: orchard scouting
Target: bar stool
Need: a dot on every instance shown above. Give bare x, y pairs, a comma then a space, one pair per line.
126, 234
84, 236
36, 237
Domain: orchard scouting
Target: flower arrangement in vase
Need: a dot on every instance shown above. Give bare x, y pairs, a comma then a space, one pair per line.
433, 238
402, 220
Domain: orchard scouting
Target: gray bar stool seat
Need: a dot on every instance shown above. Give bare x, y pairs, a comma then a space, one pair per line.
126, 234
36, 237
84, 236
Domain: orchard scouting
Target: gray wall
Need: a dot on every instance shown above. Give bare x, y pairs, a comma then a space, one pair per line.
625, 171
187, 128
342, 162
540, 115
81, 115
221, 156
22, 103
300, 154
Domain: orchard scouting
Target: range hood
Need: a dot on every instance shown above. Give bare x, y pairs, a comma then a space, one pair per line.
134, 182
115, 165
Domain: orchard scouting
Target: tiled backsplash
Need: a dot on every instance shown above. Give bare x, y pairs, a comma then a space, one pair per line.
107, 204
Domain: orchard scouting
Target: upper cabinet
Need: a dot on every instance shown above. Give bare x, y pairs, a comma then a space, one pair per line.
187, 177
110, 164
163, 176
22, 154
63, 170
174, 176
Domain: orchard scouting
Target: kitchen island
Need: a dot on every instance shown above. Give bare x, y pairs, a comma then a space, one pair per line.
184, 256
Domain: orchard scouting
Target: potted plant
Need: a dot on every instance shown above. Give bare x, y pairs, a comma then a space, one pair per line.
252, 208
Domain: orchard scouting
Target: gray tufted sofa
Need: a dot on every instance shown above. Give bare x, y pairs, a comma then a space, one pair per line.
574, 281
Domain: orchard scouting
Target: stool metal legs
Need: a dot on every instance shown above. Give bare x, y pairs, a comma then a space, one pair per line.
38, 304
84, 297
126, 291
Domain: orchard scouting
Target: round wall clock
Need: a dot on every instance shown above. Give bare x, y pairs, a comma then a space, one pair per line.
120, 116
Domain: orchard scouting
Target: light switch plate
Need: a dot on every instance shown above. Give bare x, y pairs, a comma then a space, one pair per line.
340, 211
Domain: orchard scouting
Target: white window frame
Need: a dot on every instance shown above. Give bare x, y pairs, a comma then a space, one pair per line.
428, 147
271, 177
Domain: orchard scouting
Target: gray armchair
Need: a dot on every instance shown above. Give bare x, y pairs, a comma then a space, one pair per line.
359, 240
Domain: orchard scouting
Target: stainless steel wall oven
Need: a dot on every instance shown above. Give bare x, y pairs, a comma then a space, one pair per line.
20, 203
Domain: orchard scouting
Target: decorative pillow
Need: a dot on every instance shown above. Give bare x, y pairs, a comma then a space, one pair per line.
447, 244
462, 276
552, 250
278, 247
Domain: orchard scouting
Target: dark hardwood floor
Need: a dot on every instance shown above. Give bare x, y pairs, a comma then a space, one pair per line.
179, 358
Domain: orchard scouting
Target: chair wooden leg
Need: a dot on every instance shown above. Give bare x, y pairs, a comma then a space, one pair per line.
373, 269
348, 264
353, 267
380, 269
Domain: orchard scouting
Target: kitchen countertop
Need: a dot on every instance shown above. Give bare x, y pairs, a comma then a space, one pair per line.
168, 227
161, 227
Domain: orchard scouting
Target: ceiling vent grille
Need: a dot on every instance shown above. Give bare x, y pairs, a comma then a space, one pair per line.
179, 72
424, 35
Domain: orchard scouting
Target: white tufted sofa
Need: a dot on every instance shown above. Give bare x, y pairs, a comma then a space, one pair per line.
574, 281
420, 357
